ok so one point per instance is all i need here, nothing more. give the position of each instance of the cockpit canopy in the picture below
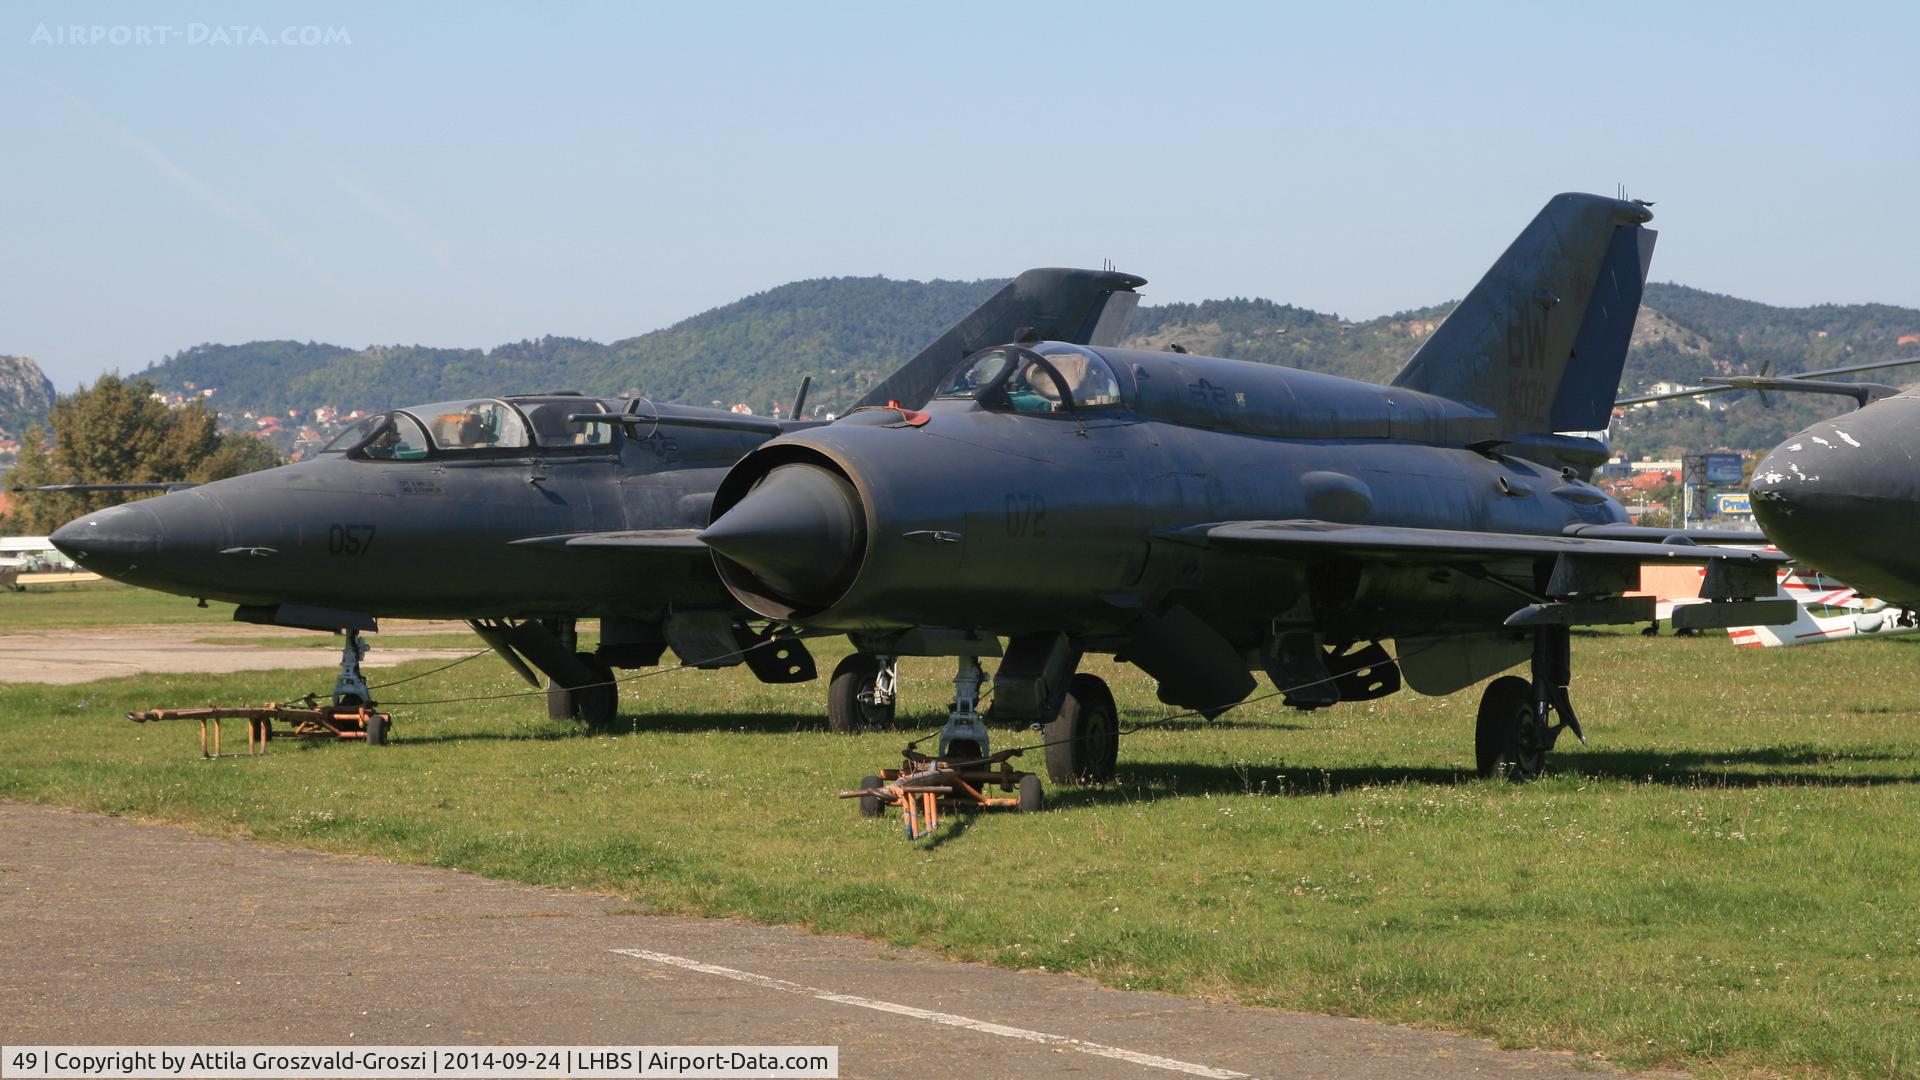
(548, 415)
(1053, 377)
(472, 425)
(480, 424)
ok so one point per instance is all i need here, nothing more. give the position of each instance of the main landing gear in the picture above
(1515, 728)
(1081, 745)
(1083, 739)
(861, 696)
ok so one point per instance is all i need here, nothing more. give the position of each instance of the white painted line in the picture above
(1152, 1061)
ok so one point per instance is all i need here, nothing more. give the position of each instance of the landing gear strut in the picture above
(861, 696)
(1515, 727)
(966, 732)
(349, 688)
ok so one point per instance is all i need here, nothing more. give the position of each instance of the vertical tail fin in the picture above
(1087, 307)
(1541, 340)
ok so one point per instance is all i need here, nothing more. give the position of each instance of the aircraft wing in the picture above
(1306, 538)
(635, 541)
(78, 489)
(1654, 534)
(1589, 580)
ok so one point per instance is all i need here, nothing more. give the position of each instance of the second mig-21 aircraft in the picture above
(523, 515)
(1205, 518)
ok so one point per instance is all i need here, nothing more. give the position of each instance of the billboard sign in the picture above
(1722, 470)
(1733, 502)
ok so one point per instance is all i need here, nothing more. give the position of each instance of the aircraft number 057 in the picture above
(349, 539)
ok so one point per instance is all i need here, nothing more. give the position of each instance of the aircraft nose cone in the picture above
(800, 531)
(110, 541)
(1841, 496)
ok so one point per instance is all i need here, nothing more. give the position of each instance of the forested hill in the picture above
(847, 331)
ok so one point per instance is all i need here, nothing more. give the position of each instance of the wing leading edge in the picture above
(1587, 584)
(1404, 544)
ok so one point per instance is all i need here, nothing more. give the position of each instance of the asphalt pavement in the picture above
(121, 932)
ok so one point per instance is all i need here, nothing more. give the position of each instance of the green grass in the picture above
(101, 603)
(1727, 881)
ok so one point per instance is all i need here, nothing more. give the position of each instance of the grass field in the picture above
(102, 603)
(1727, 880)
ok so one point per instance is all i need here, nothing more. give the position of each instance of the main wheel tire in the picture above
(1499, 746)
(1083, 739)
(870, 806)
(846, 713)
(376, 730)
(597, 704)
(1032, 796)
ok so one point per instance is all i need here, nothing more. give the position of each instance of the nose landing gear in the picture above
(1081, 745)
(349, 687)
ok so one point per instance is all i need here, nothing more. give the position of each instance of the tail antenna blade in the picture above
(800, 399)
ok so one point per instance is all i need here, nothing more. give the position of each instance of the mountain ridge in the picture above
(847, 331)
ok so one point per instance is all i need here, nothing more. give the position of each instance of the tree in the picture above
(116, 432)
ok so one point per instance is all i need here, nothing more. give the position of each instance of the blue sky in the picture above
(471, 174)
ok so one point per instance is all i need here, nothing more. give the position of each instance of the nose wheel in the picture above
(1082, 744)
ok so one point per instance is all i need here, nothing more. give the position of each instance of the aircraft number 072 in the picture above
(1026, 515)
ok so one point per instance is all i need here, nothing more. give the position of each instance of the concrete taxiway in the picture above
(129, 933)
(71, 656)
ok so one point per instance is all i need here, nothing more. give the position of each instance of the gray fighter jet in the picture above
(1205, 518)
(524, 515)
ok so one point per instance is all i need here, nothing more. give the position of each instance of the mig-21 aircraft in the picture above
(1204, 518)
(523, 515)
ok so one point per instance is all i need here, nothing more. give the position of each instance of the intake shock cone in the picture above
(799, 532)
